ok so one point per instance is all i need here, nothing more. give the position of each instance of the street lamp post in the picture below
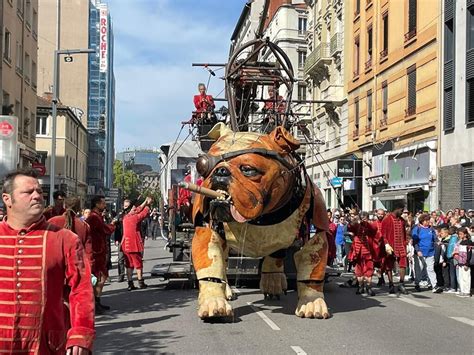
(54, 109)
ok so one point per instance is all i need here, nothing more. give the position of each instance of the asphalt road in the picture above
(163, 319)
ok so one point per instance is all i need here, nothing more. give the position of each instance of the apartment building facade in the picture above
(392, 80)
(456, 169)
(71, 149)
(19, 71)
(324, 72)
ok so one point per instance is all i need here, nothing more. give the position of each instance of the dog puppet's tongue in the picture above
(236, 215)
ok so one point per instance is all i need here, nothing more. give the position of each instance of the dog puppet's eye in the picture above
(248, 170)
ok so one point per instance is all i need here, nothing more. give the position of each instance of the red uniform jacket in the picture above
(362, 244)
(53, 212)
(184, 195)
(82, 230)
(35, 263)
(331, 236)
(378, 243)
(132, 240)
(280, 104)
(394, 233)
(204, 103)
(100, 233)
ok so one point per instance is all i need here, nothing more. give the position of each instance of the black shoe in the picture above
(360, 290)
(391, 289)
(380, 282)
(402, 289)
(369, 291)
(99, 305)
(131, 286)
(417, 288)
(142, 284)
(121, 278)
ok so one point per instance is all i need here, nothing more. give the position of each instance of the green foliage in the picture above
(126, 180)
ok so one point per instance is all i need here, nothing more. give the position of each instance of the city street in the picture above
(163, 319)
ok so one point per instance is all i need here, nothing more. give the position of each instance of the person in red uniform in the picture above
(378, 246)
(274, 107)
(69, 220)
(58, 208)
(132, 242)
(36, 260)
(331, 236)
(203, 103)
(362, 252)
(100, 233)
(394, 236)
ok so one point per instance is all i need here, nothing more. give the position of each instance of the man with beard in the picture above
(37, 260)
(100, 233)
(394, 235)
(362, 253)
(378, 247)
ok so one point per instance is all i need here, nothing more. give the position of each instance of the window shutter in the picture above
(384, 96)
(448, 109)
(468, 182)
(411, 15)
(369, 105)
(470, 101)
(411, 88)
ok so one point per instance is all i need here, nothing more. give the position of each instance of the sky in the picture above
(156, 41)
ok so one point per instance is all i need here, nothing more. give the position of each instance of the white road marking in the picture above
(298, 350)
(262, 315)
(464, 320)
(410, 301)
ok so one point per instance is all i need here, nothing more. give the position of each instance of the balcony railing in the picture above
(410, 35)
(355, 133)
(383, 122)
(368, 63)
(320, 53)
(368, 128)
(383, 54)
(336, 44)
(410, 111)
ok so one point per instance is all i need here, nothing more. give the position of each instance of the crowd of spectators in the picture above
(439, 247)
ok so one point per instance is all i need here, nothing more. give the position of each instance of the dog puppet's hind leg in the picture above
(208, 261)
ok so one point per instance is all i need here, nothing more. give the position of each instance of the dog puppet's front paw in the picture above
(311, 303)
(212, 300)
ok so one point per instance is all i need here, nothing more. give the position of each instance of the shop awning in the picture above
(395, 194)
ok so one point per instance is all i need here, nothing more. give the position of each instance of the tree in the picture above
(126, 180)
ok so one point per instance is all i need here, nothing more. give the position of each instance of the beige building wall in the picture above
(74, 24)
(71, 150)
(19, 70)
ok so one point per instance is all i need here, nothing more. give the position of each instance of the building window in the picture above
(42, 125)
(470, 101)
(448, 41)
(35, 23)
(302, 22)
(26, 122)
(19, 56)
(27, 67)
(384, 120)
(411, 20)
(19, 7)
(470, 28)
(369, 111)
(32, 127)
(411, 91)
(7, 46)
(301, 92)
(356, 116)
(33, 74)
(301, 59)
(356, 55)
(357, 8)
(448, 123)
(28, 13)
(368, 63)
(384, 51)
(467, 185)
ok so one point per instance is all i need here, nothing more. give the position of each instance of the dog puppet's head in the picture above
(256, 171)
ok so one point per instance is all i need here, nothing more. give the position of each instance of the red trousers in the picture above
(133, 260)
(364, 267)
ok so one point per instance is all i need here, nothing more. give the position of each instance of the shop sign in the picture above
(376, 180)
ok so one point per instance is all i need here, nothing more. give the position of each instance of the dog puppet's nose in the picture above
(222, 172)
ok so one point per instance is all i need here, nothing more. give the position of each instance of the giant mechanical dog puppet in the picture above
(267, 201)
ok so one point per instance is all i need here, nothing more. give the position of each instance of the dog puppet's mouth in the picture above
(223, 210)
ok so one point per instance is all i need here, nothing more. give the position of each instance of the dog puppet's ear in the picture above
(284, 139)
(219, 130)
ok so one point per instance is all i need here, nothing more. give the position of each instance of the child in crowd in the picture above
(462, 254)
(453, 239)
(411, 259)
(441, 262)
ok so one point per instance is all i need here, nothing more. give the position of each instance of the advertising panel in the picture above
(103, 45)
(8, 144)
